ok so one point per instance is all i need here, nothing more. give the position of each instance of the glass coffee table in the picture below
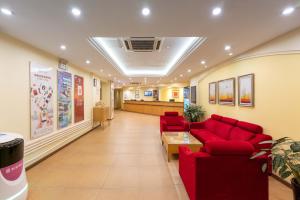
(172, 140)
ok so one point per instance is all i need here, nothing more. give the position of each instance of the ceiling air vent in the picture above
(142, 44)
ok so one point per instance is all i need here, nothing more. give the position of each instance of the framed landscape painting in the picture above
(246, 90)
(226, 90)
(212, 95)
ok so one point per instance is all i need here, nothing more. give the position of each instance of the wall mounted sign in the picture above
(64, 98)
(226, 90)
(41, 97)
(175, 93)
(246, 90)
(78, 98)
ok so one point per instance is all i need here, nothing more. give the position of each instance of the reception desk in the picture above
(152, 107)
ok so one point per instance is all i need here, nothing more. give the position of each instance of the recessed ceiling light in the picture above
(76, 12)
(288, 11)
(181, 75)
(6, 11)
(203, 62)
(119, 81)
(217, 11)
(109, 75)
(87, 61)
(63, 47)
(230, 54)
(146, 11)
(189, 70)
(227, 47)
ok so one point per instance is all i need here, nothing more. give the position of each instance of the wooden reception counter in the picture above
(153, 107)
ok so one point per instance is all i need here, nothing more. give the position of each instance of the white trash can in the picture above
(13, 182)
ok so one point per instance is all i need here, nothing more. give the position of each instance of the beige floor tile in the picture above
(124, 160)
(122, 177)
(118, 194)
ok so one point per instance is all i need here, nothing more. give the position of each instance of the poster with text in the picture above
(64, 98)
(41, 97)
(78, 98)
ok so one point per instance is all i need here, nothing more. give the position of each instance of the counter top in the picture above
(155, 103)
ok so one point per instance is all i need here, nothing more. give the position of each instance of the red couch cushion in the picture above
(239, 148)
(223, 130)
(211, 124)
(216, 117)
(171, 114)
(250, 127)
(229, 120)
(205, 136)
(173, 121)
(240, 134)
(175, 128)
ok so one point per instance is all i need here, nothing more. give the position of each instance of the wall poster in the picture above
(227, 91)
(212, 99)
(41, 97)
(78, 98)
(64, 99)
(246, 90)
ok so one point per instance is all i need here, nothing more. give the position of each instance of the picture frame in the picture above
(246, 90)
(175, 93)
(226, 92)
(212, 93)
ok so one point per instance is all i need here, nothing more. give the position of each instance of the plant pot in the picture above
(296, 189)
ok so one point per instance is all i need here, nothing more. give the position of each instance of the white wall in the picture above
(15, 57)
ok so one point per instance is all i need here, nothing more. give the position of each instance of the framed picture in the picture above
(226, 90)
(212, 99)
(246, 90)
(175, 93)
(193, 95)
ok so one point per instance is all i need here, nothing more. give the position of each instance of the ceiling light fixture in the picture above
(87, 61)
(6, 11)
(216, 11)
(146, 11)
(189, 70)
(63, 47)
(287, 11)
(109, 75)
(230, 54)
(203, 62)
(181, 75)
(76, 12)
(227, 47)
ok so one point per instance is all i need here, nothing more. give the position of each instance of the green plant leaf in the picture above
(295, 147)
(283, 169)
(286, 174)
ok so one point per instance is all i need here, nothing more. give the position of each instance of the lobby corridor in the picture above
(124, 160)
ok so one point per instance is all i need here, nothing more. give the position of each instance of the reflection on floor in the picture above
(123, 161)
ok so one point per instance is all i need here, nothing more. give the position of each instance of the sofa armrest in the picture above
(197, 125)
(259, 138)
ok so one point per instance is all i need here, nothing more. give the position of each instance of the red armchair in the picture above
(172, 122)
(223, 171)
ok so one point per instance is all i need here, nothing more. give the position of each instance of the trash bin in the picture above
(13, 182)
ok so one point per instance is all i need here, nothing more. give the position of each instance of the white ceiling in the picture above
(162, 62)
(243, 24)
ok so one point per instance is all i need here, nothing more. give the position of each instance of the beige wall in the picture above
(277, 86)
(15, 57)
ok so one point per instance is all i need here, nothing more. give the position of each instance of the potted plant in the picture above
(285, 160)
(194, 113)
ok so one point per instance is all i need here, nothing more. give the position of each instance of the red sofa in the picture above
(172, 122)
(223, 172)
(218, 128)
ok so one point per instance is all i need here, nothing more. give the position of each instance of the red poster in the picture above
(78, 98)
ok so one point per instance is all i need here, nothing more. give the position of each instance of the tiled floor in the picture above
(123, 161)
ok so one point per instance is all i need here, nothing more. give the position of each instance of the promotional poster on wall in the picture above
(41, 96)
(64, 99)
(78, 98)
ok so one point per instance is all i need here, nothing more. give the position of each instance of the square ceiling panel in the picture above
(146, 56)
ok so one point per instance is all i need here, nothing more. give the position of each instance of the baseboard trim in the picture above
(281, 180)
(40, 148)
